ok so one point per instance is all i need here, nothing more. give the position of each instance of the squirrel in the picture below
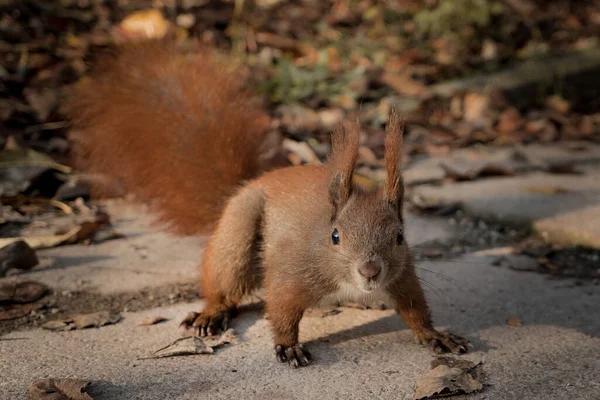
(182, 130)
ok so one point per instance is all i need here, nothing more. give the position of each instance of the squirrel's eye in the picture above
(335, 237)
(400, 237)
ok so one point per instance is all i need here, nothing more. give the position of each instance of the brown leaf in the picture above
(330, 118)
(302, 150)
(444, 381)
(548, 190)
(510, 121)
(59, 389)
(83, 232)
(83, 321)
(514, 321)
(152, 321)
(17, 255)
(476, 109)
(470, 172)
(434, 206)
(15, 311)
(403, 83)
(558, 104)
(22, 292)
(194, 345)
(144, 24)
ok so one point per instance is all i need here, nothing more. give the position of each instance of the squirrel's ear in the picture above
(344, 144)
(393, 191)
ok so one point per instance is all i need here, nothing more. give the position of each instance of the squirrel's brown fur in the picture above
(178, 129)
(182, 131)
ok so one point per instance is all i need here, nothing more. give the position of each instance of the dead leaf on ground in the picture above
(433, 206)
(449, 377)
(302, 150)
(558, 104)
(22, 292)
(548, 190)
(459, 172)
(510, 121)
(144, 24)
(17, 255)
(83, 321)
(403, 83)
(153, 321)
(514, 321)
(81, 233)
(59, 389)
(476, 109)
(14, 311)
(191, 345)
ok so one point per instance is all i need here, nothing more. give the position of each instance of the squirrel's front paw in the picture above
(295, 355)
(443, 342)
(207, 323)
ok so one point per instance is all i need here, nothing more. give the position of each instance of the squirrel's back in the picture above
(178, 129)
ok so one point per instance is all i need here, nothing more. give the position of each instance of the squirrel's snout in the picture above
(369, 270)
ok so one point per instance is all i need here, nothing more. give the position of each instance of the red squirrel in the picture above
(181, 130)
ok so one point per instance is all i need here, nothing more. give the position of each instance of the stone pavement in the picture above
(563, 208)
(360, 354)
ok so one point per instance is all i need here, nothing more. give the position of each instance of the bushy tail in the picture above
(178, 129)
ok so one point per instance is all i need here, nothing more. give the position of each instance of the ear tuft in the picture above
(394, 185)
(344, 143)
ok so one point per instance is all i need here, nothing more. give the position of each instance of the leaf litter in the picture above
(83, 321)
(449, 377)
(191, 345)
(21, 298)
(59, 389)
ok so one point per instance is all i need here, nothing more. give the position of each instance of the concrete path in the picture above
(359, 354)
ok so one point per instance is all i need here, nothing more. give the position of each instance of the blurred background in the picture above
(462, 72)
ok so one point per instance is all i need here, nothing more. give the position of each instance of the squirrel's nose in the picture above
(369, 270)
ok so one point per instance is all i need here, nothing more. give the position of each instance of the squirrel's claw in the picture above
(443, 342)
(296, 355)
(207, 323)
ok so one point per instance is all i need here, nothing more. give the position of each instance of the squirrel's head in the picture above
(367, 232)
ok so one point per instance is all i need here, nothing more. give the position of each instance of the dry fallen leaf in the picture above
(59, 389)
(514, 321)
(476, 109)
(558, 104)
(147, 24)
(470, 172)
(83, 321)
(83, 232)
(449, 378)
(403, 83)
(191, 345)
(510, 121)
(17, 255)
(22, 292)
(152, 321)
(302, 150)
(433, 206)
(15, 311)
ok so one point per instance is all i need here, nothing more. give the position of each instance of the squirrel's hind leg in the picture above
(231, 266)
